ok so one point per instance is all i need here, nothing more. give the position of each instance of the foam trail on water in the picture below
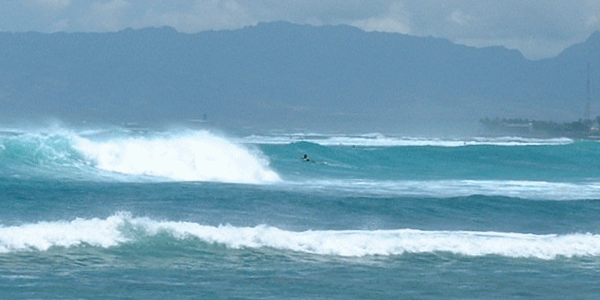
(123, 228)
(192, 156)
(525, 189)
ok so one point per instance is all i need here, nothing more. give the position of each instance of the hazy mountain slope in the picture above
(284, 76)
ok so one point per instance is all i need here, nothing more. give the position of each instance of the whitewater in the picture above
(121, 228)
(113, 213)
(182, 156)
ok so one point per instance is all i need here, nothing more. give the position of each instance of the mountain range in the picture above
(288, 77)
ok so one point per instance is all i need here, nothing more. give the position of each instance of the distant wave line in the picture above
(379, 140)
(525, 189)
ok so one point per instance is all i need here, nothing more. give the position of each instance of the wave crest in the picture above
(123, 228)
(197, 156)
(179, 156)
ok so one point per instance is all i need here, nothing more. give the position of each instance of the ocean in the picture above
(118, 213)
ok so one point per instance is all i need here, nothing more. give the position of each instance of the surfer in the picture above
(306, 158)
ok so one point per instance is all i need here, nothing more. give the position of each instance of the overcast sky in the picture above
(538, 28)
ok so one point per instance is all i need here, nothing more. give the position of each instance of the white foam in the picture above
(380, 140)
(43, 235)
(525, 189)
(186, 156)
(113, 231)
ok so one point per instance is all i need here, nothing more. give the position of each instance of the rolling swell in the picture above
(41, 155)
(564, 162)
(529, 170)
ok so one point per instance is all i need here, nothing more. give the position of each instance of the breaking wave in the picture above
(122, 228)
(178, 156)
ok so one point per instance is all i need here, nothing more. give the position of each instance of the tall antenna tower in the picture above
(588, 91)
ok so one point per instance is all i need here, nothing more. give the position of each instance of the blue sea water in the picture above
(112, 213)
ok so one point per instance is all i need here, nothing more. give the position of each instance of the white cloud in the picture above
(459, 17)
(60, 25)
(219, 14)
(383, 25)
(396, 19)
(536, 27)
(47, 4)
(106, 16)
(200, 15)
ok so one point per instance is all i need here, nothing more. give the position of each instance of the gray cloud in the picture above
(538, 28)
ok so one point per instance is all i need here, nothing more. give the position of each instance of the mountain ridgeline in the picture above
(286, 76)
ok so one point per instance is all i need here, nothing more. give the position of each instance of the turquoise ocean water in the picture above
(190, 214)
